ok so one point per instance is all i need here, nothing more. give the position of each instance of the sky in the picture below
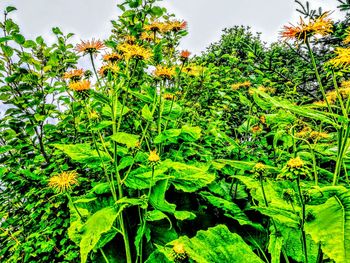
(206, 18)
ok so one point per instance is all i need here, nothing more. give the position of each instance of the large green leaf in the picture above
(189, 178)
(230, 209)
(99, 223)
(331, 226)
(130, 140)
(216, 245)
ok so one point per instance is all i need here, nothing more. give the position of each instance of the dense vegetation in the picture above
(151, 155)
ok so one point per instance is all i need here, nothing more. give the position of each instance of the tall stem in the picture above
(303, 235)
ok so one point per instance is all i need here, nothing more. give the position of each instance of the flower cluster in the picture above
(64, 181)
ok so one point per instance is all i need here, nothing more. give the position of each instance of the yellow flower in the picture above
(90, 47)
(295, 163)
(129, 39)
(331, 96)
(256, 129)
(147, 36)
(347, 38)
(259, 167)
(315, 135)
(179, 248)
(74, 75)
(267, 89)
(134, 51)
(155, 26)
(239, 85)
(164, 72)
(320, 26)
(193, 70)
(80, 85)
(304, 132)
(110, 67)
(175, 26)
(342, 58)
(168, 96)
(153, 157)
(112, 57)
(64, 181)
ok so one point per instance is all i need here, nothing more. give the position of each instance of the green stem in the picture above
(94, 68)
(303, 235)
(104, 255)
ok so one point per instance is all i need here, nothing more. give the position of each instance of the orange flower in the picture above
(320, 26)
(80, 86)
(184, 55)
(74, 75)
(90, 47)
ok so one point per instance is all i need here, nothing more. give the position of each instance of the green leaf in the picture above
(141, 178)
(8, 51)
(155, 215)
(81, 152)
(130, 140)
(216, 245)
(146, 113)
(275, 247)
(184, 215)
(157, 198)
(331, 226)
(99, 223)
(231, 210)
(9, 9)
(189, 178)
(103, 124)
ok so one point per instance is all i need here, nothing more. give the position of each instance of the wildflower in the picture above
(179, 252)
(342, 58)
(164, 72)
(239, 85)
(315, 135)
(320, 103)
(112, 57)
(259, 169)
(82, 85)
(153, 157)
(147, 36)
(184, 55)
(134, 51)
(331, 96)
(74, 75)
(168, 96)
(256, 129)
(263, 119)
(267, 89)
(295, 163)
(320, 26)
(110, 67)
(90, 47)
(155, 26)
(193, 70)
(64, 181)
(175, 26)
(129, 39)
(93, 115)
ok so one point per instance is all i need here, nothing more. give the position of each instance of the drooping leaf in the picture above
(130, 140)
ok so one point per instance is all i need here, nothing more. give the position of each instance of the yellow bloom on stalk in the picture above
(155, 26)
(304, 132)
(193, 70)
(175, 26)
(320, 26)
(112, 57)
(168, 96)
(147, 36)
(80, 85)
(239, 85)
(331, 96)
(315, 135)
(153, 157)
(90, 47)
(267, 89)
(64, 181)
(164, 72)
(179, 248)
(134, 51)
(259, 167)
(295, 163)
(342, 58)
(74, 75)
(110, 67)
(256, 129)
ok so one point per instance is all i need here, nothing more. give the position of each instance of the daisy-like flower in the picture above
(295, 163)
(239, 85)
(90, 47)
(147, 36)
(164, 72)
(78, 86)
(320, 26)
(153, 157)
(342, 58)
(64, 181)
(129, 39)
(134, 51)
(193, 70)
(259, 167)
(175, 26)
(184, 55)
(256, 129)
(110, 67)
(112, 57)
(74, 75)
(155, 26)
(315, 135)
(168, 96)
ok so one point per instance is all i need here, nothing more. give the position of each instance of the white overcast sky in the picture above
(206, 18)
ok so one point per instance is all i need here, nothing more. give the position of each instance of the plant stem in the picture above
(303, 235)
